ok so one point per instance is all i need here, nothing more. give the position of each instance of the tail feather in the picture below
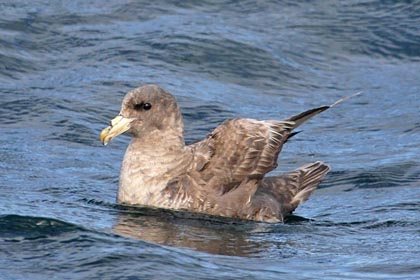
(308, 178)
(282, 194)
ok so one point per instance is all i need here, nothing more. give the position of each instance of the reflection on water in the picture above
(198, 232)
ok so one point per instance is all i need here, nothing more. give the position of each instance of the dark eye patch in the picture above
(138, 106)
(142, 106)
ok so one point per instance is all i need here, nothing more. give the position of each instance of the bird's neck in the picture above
(149, 164)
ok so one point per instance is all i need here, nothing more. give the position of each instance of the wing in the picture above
(239, 149)
(228, 165)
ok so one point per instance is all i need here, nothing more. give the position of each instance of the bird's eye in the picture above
(147, 106)
(142, 106)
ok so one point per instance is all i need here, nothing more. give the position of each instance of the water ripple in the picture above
(18, 228)
(66, 66)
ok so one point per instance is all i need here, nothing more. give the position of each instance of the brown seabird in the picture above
(223, 175)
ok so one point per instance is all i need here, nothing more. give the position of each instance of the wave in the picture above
(16, 227)
(403, 174)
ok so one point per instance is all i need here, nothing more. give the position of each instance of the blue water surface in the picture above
(65, 66)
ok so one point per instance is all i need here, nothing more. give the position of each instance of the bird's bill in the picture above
(118, 126)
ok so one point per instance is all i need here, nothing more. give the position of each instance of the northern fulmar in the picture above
(222, 175)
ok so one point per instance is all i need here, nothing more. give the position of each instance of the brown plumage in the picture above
(224, 174)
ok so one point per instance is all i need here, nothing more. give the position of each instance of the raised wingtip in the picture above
(344, 99)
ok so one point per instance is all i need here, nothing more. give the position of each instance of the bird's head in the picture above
(144, 110)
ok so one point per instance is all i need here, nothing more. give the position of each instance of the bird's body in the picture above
(224, 174)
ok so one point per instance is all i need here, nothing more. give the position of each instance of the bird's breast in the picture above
(144, 174)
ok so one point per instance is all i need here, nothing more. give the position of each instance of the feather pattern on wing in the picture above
(239, 149)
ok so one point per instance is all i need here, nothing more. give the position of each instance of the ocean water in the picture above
(65, 66)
